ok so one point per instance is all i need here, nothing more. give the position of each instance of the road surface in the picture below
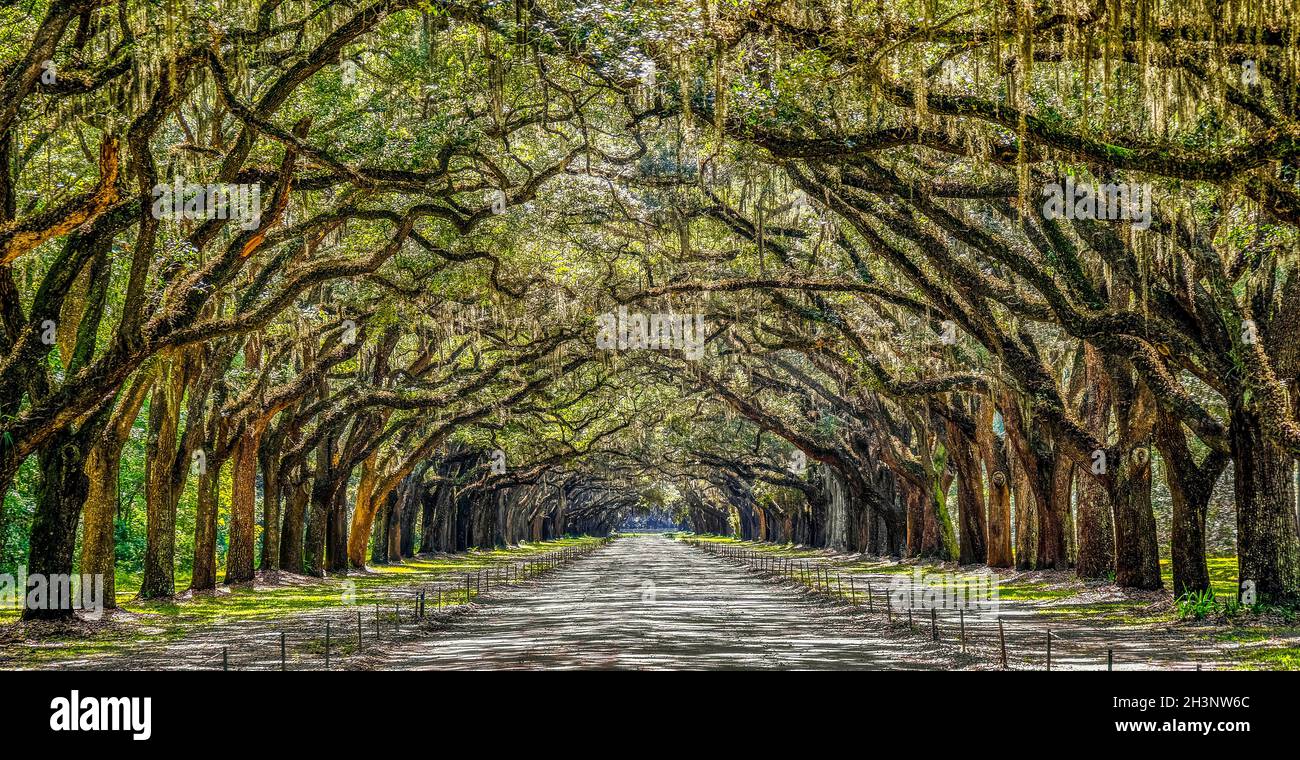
(649, 602)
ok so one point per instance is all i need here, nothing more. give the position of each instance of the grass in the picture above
(1251, 641)
(1019, 590)
(1223, 575)
(1271, 658)
(170, 620)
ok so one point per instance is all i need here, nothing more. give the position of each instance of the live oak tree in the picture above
(906, 353)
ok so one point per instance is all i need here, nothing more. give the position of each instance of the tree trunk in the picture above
(1268, 546)
(1096, 531)
(970, 497)
(103, 472)
(272, 498)
(295, 514)
(161, 454)
(337, 543)
(318, 514)
(1026, 520)
(59, 497)
(1190, 489)
(205, 529)
(1137, 555)
(363, 514)
(1095, 527)
(243, 507)
(999, 479)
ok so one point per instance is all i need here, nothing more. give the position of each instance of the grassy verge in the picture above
(1268, 639)
(162, 621)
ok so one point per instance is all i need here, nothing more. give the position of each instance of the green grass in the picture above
(1119, 612)
(1007, 589)
(1223, 575)
(172, 619)
(1271, 658)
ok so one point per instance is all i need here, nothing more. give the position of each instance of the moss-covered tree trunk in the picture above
(998, 472)
(206, 511)
(1095, 531)
(970, 496)
(161, 497)
(243, 507)
(1268, 546)
(295, 520)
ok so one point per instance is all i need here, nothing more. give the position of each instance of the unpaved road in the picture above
(648, 602)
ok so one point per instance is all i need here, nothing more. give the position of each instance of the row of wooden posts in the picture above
(454, 595)
(819, 579)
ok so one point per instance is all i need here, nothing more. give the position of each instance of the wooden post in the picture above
(397, 617)
(961, 612)
(358, 630)
(466, 588)
(934, 624)
(1002, 636)
(1049, 648)
(909, 618)
(889, 608)
(871, 605)
(327, 645)
(225, 658)
(376, 621)
(282, 651)
(853, 591)
(1110, 660)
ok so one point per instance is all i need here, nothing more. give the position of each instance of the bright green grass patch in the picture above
(1271, 658)
(1106, 613)
(1223, 575)
(1033, 591)
(1245, 634)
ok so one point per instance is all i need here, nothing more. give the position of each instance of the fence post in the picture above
(871, 605)
(358, 630)
(961, 612)
(1110, 660)
(282, 651)
(934, 624)
(1049, 648)
(225, 658)
(327, 645)
(1002, 636)
(853, 591)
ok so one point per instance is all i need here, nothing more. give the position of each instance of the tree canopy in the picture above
(322, 282)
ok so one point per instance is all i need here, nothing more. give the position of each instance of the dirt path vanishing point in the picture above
(649, 602)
